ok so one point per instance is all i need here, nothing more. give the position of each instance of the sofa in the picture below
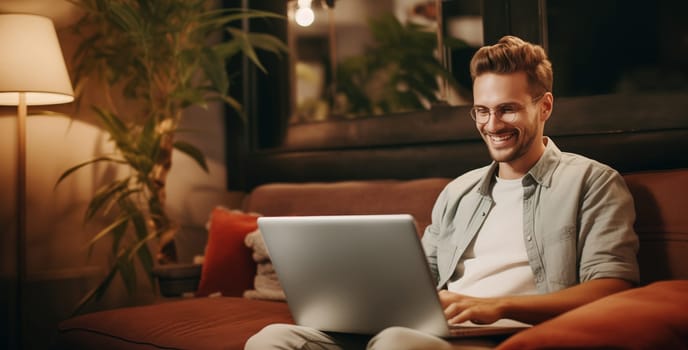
(229, 305)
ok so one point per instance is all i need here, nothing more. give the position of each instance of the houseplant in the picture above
(158, 57)
(399, 72)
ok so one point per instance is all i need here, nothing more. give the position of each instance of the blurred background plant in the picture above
(399, 72)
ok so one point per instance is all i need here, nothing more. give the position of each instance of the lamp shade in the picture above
(31, 62)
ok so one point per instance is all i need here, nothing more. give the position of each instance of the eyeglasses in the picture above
(506, 112)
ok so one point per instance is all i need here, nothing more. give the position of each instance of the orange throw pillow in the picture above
(644, 318)
(227, 266)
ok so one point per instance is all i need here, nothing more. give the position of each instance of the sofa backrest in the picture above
(661, 202)
(415, 197)
(661, 205)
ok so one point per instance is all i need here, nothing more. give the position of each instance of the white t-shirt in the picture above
(496, 263)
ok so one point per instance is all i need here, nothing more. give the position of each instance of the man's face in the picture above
(516, 137)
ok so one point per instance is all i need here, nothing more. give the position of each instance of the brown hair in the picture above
(511, 55)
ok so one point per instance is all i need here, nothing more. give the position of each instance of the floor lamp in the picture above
(32, 72)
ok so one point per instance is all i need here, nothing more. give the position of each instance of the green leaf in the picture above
(97, 292)
(126, 17)
(268, 43)
(227, 49)
(246, 47)
(142, 236)
(88, 162)
(127, 272)
(141, 249)
(137, 217)
(192, 97)
(148, 148)
(105, 194)
(121, 196)
(236, 105)
(117, 129)
(192, 152)
(221, 17)
(117, 235)
(119, 221)
(214, 69)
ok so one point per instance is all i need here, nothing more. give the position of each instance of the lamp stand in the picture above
(21, 216)
(33, 73)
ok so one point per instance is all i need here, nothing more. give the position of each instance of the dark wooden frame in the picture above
(628, 132)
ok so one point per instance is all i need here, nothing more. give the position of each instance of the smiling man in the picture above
(539, 231)
(536, 233)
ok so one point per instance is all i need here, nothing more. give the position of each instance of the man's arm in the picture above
(528, 308)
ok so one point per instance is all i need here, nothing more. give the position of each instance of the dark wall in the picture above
(627, 132)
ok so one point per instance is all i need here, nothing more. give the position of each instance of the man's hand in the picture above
(460, 308)
(526, 308)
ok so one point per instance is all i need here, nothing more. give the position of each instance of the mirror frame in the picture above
(441, 142)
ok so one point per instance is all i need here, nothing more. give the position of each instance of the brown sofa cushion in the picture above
(199, 323)
(415, 197)
(650, 317)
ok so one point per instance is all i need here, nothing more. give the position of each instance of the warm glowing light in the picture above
(304, 3)
(304, 16)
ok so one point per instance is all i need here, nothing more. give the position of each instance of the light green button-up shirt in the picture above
(578, 220)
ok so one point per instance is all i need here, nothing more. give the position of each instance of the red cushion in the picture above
(227, 266)
(650, 317)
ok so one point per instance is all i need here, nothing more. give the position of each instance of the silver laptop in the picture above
(359, 274)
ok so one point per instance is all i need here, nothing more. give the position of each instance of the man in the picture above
(536, 233)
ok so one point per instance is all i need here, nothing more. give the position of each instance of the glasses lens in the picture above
(480, 115)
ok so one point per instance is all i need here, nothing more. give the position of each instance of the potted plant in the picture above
(160, 57)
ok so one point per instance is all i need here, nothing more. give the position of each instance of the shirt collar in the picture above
(543, 170)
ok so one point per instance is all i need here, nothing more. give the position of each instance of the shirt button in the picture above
(529, 238)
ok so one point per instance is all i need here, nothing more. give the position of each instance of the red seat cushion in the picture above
(197, 323)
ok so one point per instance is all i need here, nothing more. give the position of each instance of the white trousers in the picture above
(286, 336)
